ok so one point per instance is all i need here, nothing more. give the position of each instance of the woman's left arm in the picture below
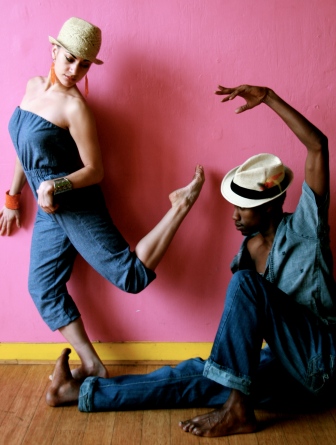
(82, 128)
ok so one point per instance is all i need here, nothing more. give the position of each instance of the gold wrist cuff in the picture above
(62, 185)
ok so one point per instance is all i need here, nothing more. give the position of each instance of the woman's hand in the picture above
(253, 95)
(46, 197)
(8, 217)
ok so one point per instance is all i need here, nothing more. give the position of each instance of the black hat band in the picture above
(263, 194)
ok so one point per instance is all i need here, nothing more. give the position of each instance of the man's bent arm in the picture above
(317, 161)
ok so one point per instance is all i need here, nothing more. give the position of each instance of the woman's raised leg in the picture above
(154, 245)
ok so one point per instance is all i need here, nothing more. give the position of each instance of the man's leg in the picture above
(178, 387)
(255, 309)
(252, 307)
(183, 386)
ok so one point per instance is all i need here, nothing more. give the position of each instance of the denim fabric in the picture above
(298, 363)
(182, 386)
(300, 262)
(256, 309)
(81, 224)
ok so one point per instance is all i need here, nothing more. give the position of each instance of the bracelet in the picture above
(62, 185)
(12, 202)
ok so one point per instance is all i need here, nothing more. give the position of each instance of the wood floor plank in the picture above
(44, 426)
(296, 428)
(215, 441)
(71, 426)
(45, 422)
(22, 408)
(11, 379)
(25, 419)
(270, 431)
(156, 427)
(67, 437)
(128, 427)
(333, 413)
(243, 439)
(323, 427)
(116, 370)
(99, 429)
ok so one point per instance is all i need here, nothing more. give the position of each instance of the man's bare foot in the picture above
(63, 388)
(187, 195)
(234, 417)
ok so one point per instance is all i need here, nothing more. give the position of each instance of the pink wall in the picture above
(157, 117)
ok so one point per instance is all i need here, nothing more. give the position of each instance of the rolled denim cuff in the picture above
(85, 399)
(226, 377)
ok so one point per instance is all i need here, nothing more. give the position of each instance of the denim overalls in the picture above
(81, 224)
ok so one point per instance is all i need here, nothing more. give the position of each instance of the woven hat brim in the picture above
(56, 42)
(240, 201)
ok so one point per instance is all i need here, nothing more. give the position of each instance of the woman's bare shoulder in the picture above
(36, 82)
(35, 86)
(78, 110)
(76, 104)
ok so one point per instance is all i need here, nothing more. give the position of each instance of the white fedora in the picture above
(260, 179)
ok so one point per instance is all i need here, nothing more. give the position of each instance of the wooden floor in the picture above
(26, 419)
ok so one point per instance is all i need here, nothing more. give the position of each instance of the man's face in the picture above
(249, 220)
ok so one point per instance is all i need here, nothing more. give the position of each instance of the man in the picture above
(282, 290)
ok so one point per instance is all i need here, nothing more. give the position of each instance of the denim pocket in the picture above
(320, 373)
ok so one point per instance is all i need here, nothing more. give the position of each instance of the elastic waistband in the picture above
(45, 173)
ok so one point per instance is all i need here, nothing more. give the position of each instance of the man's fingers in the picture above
(242, 108)
(224, 90)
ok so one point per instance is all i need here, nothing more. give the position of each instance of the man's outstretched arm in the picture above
(317, 160)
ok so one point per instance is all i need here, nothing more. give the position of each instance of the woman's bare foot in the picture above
(152, 247)
(235, 417)
(187, 195)
(64, 388)
(96, 370)
(91, 365)
(80, 373)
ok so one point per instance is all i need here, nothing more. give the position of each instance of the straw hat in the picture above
(260, 179)
(80, 38)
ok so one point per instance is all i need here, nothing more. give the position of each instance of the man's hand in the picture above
(253, 95)
(46, 197)
(8, 217)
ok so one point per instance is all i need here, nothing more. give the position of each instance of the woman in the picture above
(58, 153)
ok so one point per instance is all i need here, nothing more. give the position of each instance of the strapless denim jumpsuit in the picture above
(81, 224)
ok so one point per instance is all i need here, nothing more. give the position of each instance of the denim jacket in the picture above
(300, 262)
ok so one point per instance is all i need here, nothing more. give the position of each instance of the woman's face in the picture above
(69, 69)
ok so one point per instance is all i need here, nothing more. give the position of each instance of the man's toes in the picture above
(186, 425)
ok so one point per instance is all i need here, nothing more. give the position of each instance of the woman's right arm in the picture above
(8, 217)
